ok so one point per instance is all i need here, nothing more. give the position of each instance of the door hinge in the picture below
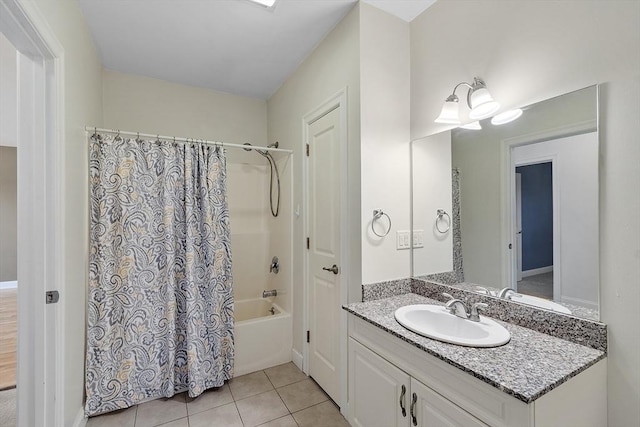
(308, 243)
(52, 297)
(307, 150)
(308, 336)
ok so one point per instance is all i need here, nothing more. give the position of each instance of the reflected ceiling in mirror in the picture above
(521, 203)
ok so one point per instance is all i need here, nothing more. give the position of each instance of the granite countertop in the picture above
(528, 366)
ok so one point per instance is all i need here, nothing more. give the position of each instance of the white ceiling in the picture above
(231, 46)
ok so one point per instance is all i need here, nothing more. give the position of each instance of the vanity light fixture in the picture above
(506, 117)
(479, 101)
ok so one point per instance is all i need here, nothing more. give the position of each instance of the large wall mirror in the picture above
(512, 210)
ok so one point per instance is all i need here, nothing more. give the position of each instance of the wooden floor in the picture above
(8, 337)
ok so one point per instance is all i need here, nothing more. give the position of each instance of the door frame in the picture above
(40, 361)
(338, 100)
(557, 232)
(507, 194)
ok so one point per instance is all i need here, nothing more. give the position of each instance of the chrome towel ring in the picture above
(441, 213)
(377, 214)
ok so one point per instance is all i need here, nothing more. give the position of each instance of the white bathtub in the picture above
(262, 339)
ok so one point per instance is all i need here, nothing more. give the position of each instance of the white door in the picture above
(518, 228)
(379, 392)
(324, 252)
(429, 409)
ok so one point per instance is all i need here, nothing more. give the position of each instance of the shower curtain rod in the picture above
(177, 139)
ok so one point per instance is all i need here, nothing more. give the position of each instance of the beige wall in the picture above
(432, 190)
(8, 93)
(83, 105)
(148, 105)
(8, 138)
(333, 66)
(529, 51)
(8, 215)
(384, 151)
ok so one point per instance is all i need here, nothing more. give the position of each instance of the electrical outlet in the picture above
(402, 240)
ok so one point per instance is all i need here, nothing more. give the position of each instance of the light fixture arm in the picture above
(453, 97)
(478, 83)
(479, 102)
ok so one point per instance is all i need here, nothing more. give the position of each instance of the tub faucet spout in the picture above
(271, 293)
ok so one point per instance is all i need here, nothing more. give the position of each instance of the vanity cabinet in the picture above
(383, 395)
(395, 384)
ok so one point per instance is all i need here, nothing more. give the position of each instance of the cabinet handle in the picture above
(414, 399)
(402, 406)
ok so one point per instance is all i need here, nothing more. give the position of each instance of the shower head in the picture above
(274, 145)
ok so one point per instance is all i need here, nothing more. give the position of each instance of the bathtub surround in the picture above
(585, 332)
(160, 311)
(262, 336)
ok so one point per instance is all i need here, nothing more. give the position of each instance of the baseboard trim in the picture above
(81, 420)
(296, 358)
(535, 271)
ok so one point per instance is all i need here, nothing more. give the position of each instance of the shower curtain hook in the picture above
(117, 135)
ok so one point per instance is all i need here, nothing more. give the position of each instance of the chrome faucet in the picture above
(459, 308)
(475, 316)
(268, 294)
(456, 306)
(484, 290)
(505, 293)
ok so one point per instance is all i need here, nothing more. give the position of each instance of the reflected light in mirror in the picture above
(506, 117)
(472, 126)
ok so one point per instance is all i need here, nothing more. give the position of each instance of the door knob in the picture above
(333, 269)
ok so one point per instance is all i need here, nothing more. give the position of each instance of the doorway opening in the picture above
(8, 231)
(534, 225)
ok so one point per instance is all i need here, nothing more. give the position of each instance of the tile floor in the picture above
(281, 396)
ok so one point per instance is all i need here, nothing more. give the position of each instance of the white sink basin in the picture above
(540, 302)
(434, 321)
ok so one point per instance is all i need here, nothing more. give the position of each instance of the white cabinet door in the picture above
(378, 391)
(429, 409)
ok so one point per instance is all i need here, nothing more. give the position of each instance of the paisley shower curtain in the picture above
(160, 303)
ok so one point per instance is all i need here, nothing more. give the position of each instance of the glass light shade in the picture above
(482, 104)
(506, 117)
(449, 113)
(472, 126)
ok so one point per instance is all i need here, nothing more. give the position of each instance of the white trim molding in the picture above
(41, 132)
